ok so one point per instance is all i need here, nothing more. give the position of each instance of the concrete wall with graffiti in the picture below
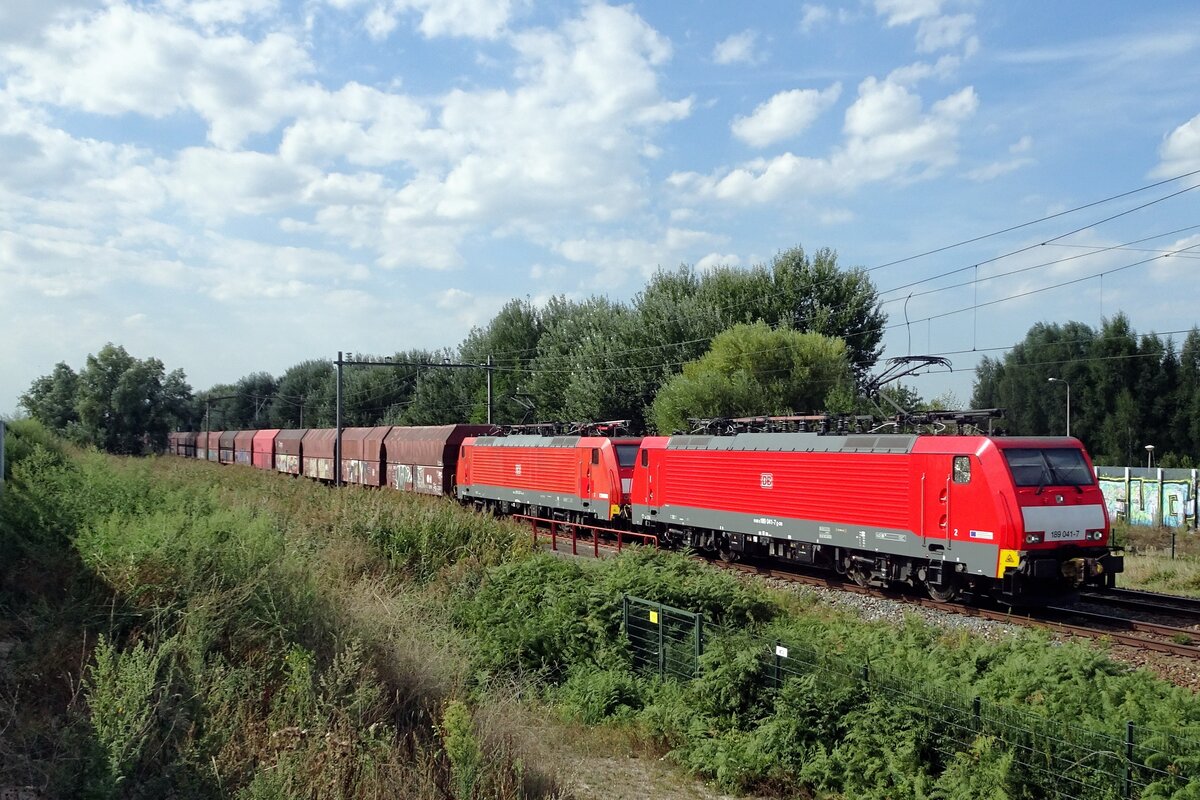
(1151, 496)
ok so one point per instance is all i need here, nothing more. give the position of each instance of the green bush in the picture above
(544, 614)
(598, 695)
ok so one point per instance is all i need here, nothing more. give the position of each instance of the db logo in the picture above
(766, 480)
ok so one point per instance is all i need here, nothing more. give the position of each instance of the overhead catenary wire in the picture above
(850, 334)
(1096, 250)
(1181, 252)
(500, 367)
(522, 365)
(1047, 242)
(1053, 240)
(1046, 218)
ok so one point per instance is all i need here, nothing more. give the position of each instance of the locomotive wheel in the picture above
(946, 594)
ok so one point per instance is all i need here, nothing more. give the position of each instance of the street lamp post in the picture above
(1060, 380)
(1149, 455)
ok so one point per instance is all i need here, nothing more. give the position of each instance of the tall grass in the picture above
(244, 634)
(1149, 564)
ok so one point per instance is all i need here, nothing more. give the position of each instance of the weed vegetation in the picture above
(823, 730)
(1149, 564)
(183, 629)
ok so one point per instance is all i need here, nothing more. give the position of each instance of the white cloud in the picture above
(245, 272)
(365, 126)
(543, 272)
(63, 262)
(835, 216)
(714, 260)
(1181, 267)
(881, 107)
(912, 74)
(1022, 145)
(1180, 150)
(567, 143)
(784, 115)
(888, 137)
(127, 61)
(1110, 49)
(941, 33)
(812, 16)
(997, 168)
(214, 184)
(475, 19)
(214, 12)
(616, 259)
(468, 309)
(739, 48)
(935, 31)
(1018, 149)
(23, 20)
(903, 12)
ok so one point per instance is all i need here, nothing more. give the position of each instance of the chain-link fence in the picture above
(1050, 758)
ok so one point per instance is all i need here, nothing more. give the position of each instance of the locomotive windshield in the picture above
(626, 454)
(1049, 467)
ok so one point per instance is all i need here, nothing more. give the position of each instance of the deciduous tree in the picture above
(754, 369)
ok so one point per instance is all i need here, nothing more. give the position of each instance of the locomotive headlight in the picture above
(1033, 538)
(1095, 536)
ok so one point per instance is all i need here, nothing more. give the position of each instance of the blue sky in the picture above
(238, 185)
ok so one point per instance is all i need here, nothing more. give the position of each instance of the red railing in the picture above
(573, 529)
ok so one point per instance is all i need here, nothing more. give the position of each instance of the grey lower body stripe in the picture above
(978, 558)
(564, 502)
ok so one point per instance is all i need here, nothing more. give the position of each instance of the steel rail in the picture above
(1136, 625)
(1028, 620)
(1145, 601)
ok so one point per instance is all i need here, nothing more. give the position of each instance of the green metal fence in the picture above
(662, 639)
(1051, 758)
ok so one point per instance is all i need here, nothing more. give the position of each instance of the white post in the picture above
(1068, 408)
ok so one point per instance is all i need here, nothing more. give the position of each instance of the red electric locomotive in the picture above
(578, 478)
(1019, 518)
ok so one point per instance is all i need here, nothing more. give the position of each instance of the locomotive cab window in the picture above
(626, 454)
(595, 455)
(645, 458)
(962, 469)
(1048, 467)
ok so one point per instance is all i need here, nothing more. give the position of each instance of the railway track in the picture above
(1066, 621)
(1062, 620)
(1151, 602)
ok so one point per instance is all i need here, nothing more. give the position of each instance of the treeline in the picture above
(795, 335)
(591, 359)
(1127, 390)
(116, 402)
